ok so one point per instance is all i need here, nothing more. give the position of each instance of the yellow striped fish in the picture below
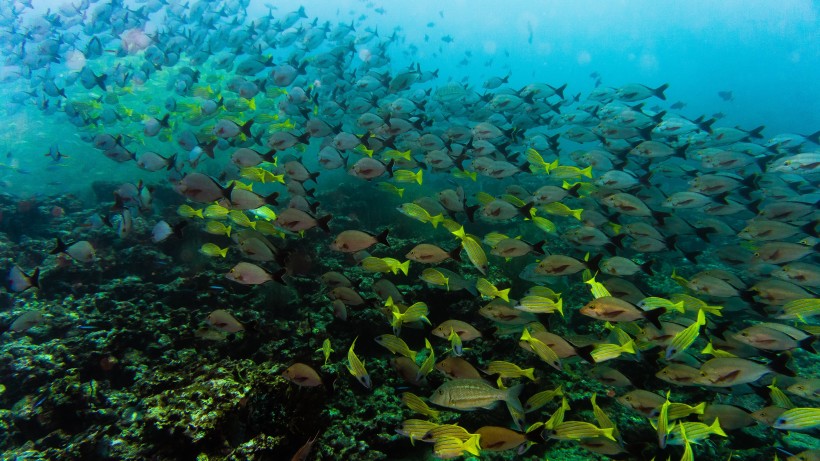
(356, 367)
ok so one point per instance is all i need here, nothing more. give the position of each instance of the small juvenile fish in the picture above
(326, 349)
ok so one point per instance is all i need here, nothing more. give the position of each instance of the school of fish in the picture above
(557, 234)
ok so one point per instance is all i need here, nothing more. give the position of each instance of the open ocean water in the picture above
(361, 230)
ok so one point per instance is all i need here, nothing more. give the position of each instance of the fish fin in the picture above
(779, 365)
(716, 429)
(659, 91)
(806, 344)
(593, 263)
(512, 397)
(271, 199)
(279, 275)
(382, 237)
(526, 210)
(246, 128)
(660, 216)
(585, 352)
(811, 228)
(470, 211)
(322, 222)
(757, 132)
(34, 278)
(455, 253)
(653, 315)
(647, 267)
(60, 246)
(503, 294)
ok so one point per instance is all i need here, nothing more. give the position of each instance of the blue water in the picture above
(767, 55)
